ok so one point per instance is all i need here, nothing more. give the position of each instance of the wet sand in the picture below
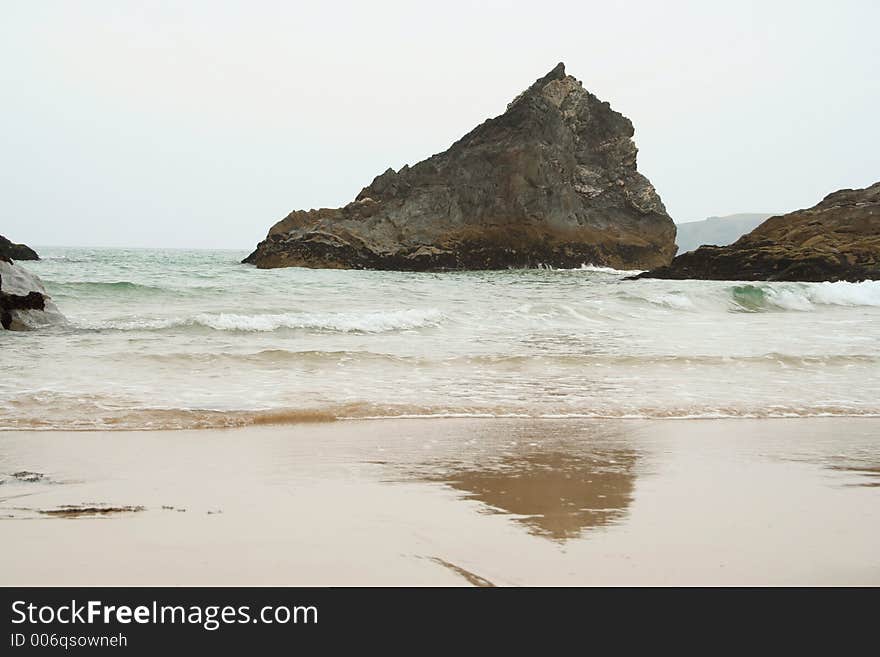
(447, 502)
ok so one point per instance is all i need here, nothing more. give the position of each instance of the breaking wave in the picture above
(695, 296)
(286, 356)
(609, 270)
(98, 287)
(805, 296)
(367, 322)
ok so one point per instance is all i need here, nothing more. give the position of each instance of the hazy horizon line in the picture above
(38, 246)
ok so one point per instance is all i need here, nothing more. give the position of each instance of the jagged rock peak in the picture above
(552, 181)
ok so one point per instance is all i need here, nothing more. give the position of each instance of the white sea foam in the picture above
(351, 322)
(806, 296)
(866, 293)
(368, 322)
(674, 300)
(609, 270)
(788, 298)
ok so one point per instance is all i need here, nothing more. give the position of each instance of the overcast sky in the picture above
(199, 124)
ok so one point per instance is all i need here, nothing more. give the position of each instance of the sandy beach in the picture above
(447, 502)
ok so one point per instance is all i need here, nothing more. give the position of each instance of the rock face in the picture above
(719, 231)
(552, 181)
(14, 251)
(836, 240)
(24, 303)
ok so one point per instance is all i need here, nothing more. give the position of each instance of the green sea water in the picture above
(181, 339)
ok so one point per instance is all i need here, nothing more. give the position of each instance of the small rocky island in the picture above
(836, 240)
(13, 251)
(552, 181)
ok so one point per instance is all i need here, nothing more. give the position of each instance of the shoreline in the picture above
(447, 502)
(308, 418)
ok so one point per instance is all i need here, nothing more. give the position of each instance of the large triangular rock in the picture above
(552, 181)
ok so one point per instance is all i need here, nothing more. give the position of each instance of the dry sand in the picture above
(447, 502)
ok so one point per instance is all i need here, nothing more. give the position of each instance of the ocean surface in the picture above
(160, 339)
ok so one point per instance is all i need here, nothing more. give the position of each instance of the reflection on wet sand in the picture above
(859, 466)
(555, 495)
(556, 486)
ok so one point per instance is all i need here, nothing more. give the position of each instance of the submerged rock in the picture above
(28, 476)
(552, 181)
(24, 303)
(14, 251)
(77, 511)
(836, 240)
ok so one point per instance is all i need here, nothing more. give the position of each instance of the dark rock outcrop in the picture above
(24, 303)
(14, 251)
(836, 240)
(552, 181)
(10, 302)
